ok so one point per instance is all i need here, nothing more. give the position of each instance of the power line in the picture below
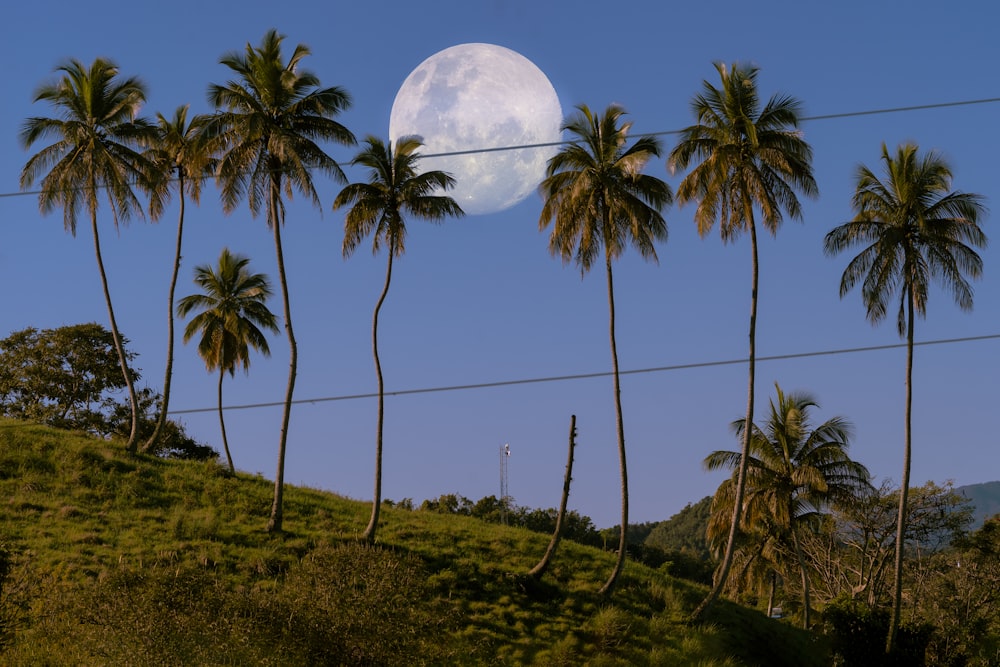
(549, 144)
(919, 107)
(869, 112)
(587, 376)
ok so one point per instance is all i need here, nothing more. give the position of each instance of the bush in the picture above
(858, 636)
(345, 605)
(362, 605)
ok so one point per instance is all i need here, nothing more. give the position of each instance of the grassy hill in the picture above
(115, 560)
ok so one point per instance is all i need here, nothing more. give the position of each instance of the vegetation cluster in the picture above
(69, 378)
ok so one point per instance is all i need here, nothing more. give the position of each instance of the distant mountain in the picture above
(684, 531)
(985, 499)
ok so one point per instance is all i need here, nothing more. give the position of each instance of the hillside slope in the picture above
(119, 560)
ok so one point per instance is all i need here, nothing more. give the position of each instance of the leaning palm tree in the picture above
(97, 134)
(913, 228)
(793, 472)
(600, 201)
(184, 158)
(233, 310)
(395, 188)
(539, 569)
(751, 159)
(267, 122)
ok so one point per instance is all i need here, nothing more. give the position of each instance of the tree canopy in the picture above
(66, 377)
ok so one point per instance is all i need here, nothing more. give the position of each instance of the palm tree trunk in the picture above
(770, 593)
(741, 477)
(369, 533)
(222, 424)
(904, 487)
(805, 578)
(275, 522)
(168, 374)
(543, 564)
(741, 577)
(130, 446)
(620, 562)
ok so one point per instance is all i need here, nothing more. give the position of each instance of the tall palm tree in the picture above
(751, 159)
(184, 157)
(97, 134)
(395, 188)
(233, 305)
(267, 122)
(793, 472)
(599, 199)
(913, 228)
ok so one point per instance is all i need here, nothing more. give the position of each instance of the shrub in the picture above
(858, 637)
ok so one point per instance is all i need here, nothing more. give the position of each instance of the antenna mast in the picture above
(504, 487)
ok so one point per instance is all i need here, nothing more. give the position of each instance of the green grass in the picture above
(120, 560)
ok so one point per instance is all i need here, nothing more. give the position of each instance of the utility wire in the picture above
(587, 376)
(549, 144)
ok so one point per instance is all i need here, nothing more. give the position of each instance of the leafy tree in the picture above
(97, 132)
(963, 600)
(600, 202)
(69, 378)
(751, 159)
(491, 509)
(65, 377)
(448, 503)
(395, 189)
(233, 310)
(182, 156)
(913, 228)
(267, 121)
(575, 526)
(793, 472)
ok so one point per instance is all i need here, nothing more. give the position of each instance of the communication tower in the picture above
(504, 487)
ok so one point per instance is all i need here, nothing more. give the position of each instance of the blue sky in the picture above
(480, 300)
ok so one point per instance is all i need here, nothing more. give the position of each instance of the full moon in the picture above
(480, 96)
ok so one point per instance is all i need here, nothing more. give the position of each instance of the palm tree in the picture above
(96, 134)
(599, 199)
(751, 159)
(913, 228)
(267, 122)
(395, 188)
(793, 472)
(182, 153)
(233, 305)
